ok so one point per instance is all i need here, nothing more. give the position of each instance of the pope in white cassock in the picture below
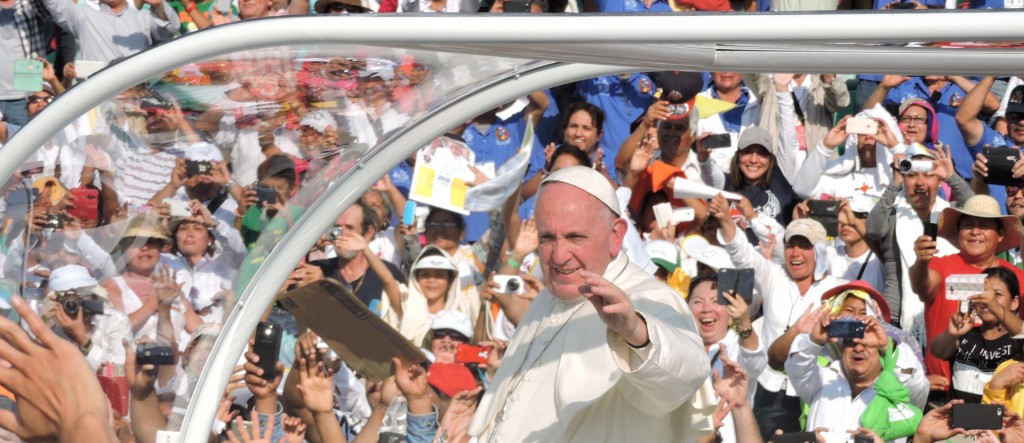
(606, 352)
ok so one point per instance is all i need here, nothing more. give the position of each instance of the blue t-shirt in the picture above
(987, 4)
(549, 129)
(733, 119)
(498, 145)
(632, 6)
(993, 139)
(949, 100)
(401, 176)
(622, 103)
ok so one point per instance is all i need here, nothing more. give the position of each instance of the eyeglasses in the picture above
(442, 225)
(33, 99)
(915, 120)
(454, 335)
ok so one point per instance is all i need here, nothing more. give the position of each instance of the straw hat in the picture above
(145, 226)
(981, 206)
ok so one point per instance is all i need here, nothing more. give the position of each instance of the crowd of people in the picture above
(766, 257)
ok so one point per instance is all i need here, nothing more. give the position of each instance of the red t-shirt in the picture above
(938, 312)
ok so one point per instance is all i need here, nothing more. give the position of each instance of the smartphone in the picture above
(509, 284)
(863, 439)
(858, 125)
(409, 213)
(54, 221)
(154, 355)
(903, 5)
(796, 437)
(738, 281)
(268, 347)
(931, 230)
(715, 141)
(1000, 163)
(964, 286)
(28, 75)
(977, 416)
(826, 212)
(472, 354)
(846, 327)
(194, 168)
(86, 68)
(518, 7)
(179, 208)
(265, 194)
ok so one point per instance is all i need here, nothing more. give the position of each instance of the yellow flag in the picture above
(707, 106)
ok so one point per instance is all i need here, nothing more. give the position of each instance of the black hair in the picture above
(369, 217)
(573, 151)
(437, 212)
(702, 277)
(596, 114)
(1008, 278)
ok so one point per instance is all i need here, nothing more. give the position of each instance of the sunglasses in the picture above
(36, 99)
(454, 335)
(1012, 190)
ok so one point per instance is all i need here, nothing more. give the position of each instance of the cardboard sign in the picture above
(359, 337)
(441, 173)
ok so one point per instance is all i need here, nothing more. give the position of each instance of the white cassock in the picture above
(567, 378)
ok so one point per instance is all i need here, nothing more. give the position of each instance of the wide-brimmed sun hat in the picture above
(980, 206)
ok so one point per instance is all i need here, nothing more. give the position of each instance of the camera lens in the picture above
(71, 307)
(512, 286)
(905, 165)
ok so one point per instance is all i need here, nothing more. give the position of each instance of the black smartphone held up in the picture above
(863, 439)
(265, 194)
(846, 327)
(715, 141)
(194, 168)
(518, 7)
(268, 347)
(796, 437)
(738, 281)
(825, 212)
(154, 355)
(931, 230)
(977, 416)
(1000, 163)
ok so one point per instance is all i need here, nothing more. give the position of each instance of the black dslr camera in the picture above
(71, 302)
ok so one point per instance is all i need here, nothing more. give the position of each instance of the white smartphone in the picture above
(682, 215)
(964, 286)
(857, 125)
(86, 68)
(179, 208)
(663, 214)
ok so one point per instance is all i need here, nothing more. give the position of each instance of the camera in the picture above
(264, 195)
(71, 302)
(846, 327)
(908, 166)
(155, 355)
(335, 233)
(194, 168)
(54, 221)
(510, 284)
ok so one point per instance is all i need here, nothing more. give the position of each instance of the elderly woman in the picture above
(147, 291)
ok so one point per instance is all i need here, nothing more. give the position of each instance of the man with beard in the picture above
(909, 202)
(210, 182)
(351, 267)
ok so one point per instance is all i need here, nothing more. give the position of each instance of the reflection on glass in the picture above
(144, 218)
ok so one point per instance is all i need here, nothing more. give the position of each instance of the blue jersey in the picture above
(632, 6)
(497, 145)
(993, 139)
(622, 103)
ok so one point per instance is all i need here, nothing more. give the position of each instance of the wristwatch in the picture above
(744, 333)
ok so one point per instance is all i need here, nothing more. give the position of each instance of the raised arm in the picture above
(967, 116)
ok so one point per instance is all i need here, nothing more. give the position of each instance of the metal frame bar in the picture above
(755, 42)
